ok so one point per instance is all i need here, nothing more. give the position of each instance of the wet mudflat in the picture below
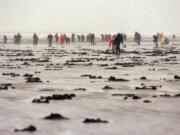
(82, 89)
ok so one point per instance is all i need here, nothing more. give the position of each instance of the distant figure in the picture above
(50, 38)
(79, 38)
(82, 38)
(102, 37)
(65, 38)
(56, 38)
(155, 40)
(111, 43)
(73, 38)
(173, 38)
(17, 38)
(88, 37)
(5, 39)
(92, 39)
(166, 41)
(162, 38)
(35, 39)
(68, 40)
(62, 38)
(118, 41)
(137, 38)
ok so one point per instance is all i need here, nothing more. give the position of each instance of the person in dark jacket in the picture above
(137, 38)
(73, 38)
(92, 39)
(82, 38)
(35, 39)
(118, 41)
(5, 39)
(57, 38)
(155, 40)
(50, 38)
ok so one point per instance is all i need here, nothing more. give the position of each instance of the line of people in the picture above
(16, 38)
(64, 39)
(158, 38)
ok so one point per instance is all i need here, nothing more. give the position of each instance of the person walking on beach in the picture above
(35, 39)
(50, 38)
(92, 39)
(102, 37)
(62, 38)
(17, 38)
(5, 39)
(73, 38)
(111, 43)
(137, 38)
(88, 37)
(166, 40)
(82, 38)
(56, 38)
(68, 40)
(118, 41)
(79, 38)
(162, 38)
(155, 40)
(173, 38)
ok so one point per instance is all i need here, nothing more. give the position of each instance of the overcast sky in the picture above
(146, 16)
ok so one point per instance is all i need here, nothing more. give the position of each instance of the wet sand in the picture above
(140, 98)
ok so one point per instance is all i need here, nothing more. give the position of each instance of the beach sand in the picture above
(60, 70)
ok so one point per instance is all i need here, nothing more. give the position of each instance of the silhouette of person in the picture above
(50, 38)
(155, 40)
(5, 39)
(82, 38)
(73, 38)
(92, 39)
(137, 38)
(79, 38)
(19, 38)
(35, 39)
(57, 38)
(117, 42)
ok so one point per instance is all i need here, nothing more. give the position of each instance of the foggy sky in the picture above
(146, 16)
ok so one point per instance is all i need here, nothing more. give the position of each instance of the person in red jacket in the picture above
(111, 43)
(62, 39)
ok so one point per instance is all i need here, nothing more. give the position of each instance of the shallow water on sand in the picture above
(160, 117)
